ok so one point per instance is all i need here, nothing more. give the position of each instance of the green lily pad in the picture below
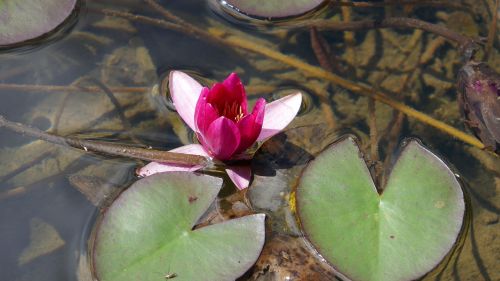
(22, 20)
(273, 9)
(399, 235)
(146, 234)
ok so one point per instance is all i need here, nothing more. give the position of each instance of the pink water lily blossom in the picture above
(223, 123)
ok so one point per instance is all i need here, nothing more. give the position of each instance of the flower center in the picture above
(233, 111)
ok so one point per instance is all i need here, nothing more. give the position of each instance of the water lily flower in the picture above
(223, 124)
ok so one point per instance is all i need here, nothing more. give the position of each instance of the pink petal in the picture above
(229, 94)
(185, 92)
(239, 175)
(233, 84)
(154, 167)
(222, 138)
(251, 125)
(204, 114)
(278, 114)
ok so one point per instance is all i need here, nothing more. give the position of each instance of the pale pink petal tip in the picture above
(154, 167)
(196, 149)
(240, 176)
(279, 114)
(185, 92)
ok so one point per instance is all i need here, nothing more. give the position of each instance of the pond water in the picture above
(104, 79)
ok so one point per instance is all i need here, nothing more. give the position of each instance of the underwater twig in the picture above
(372, 122)
(349, 40)
(463, 41)
(375, 167)
(224, 37)
(320, 50)
(477, 256)
(119, 110)
(62, 106)
(184, 28)
(385, 3)
(26, 166)
(492, 32)
(16, 191)
(107, 147)
(392, 132)
(59, 113)
(59, 88)
(166, 13)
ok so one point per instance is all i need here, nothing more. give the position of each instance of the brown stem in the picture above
(372, 122)
(399, 3)
(60, 88)
(179, 25)
(139, 18)
(492, 32)
(396, 22)
(320, 51)
(119, 110)
(166, 13)
(107, 147)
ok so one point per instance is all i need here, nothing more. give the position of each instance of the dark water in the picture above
(45, 220)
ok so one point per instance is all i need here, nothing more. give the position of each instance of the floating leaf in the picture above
(147, 233)
(273, 8)
(22, 20)
(398, 235)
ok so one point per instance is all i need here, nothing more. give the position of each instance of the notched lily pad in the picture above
(146, 234)
(272, 9)
(400, 234)
(22, 20)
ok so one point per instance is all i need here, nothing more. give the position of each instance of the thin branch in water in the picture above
(449, 4)
(119, 110)
(347, 17)
(107, 147)
(372, 122)
(59, 113)
(492, 32)
(166, 13)
(137, 18)
(463, 41)
(59, 88)
(21, 190)
(16, 191)
(392, 133)
(375, 167)
(320, 50)
(26, 166)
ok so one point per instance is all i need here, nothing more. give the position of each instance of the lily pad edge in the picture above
(51, 35)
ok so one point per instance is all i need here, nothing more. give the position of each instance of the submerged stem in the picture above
(432, 3)
(492, 30)
(395, 22)
(107, 147)
(71, 88)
